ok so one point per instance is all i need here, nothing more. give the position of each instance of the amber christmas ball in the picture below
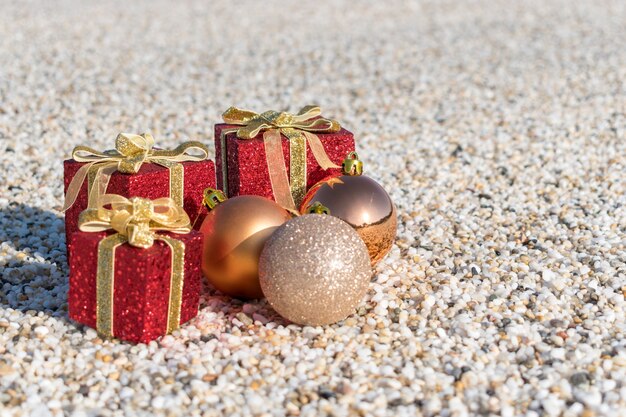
(235, 231)
(361, 202)
(314, 270)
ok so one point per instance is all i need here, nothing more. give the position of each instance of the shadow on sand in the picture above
(34, 269)
(33, 260)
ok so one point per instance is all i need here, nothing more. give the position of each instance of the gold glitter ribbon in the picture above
(300, 129)
(136, 221)
(130, 153)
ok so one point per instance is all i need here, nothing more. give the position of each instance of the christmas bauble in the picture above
(314, 270)
(361, 202)
(235, 231)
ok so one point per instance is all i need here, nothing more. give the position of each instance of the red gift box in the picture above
(141, 288)
(152, 181)
(135, 272)
(242, 164)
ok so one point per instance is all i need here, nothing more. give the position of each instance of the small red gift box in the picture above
(135, 293)
(248, 163)
(153, 178)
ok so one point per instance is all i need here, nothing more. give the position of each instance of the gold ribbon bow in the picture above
(299, 128)
(131, 151)
(136, 221)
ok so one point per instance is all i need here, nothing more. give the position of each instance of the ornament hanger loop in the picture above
(317, 208)
(212, 198)
(352, 165)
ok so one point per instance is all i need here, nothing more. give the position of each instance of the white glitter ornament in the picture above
(314, 270)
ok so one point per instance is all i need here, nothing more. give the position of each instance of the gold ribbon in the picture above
(136, 221)
(300, 129)
(131, 151)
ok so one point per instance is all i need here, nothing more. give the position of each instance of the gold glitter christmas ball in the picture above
(314, 270)
(235, 231)
(361, 202)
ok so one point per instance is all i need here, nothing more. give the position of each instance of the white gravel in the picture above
(498, 127)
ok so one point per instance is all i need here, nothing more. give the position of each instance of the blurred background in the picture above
(498, 128)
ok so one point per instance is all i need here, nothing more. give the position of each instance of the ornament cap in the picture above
(317, 208)
(212, 198)
(352, 165)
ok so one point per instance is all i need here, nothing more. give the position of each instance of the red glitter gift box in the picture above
(151, 180)
(141, 285)
(241, 151)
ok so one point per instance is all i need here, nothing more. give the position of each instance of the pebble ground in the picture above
(499, 129)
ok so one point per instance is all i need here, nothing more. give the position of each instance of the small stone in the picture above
(158, 402)
(6, 369)
(126, 393)
(326, 393)
(260, 318)
(580, 378)
(244, 318)
(41, 331)
(475, 270)
(209, 377)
